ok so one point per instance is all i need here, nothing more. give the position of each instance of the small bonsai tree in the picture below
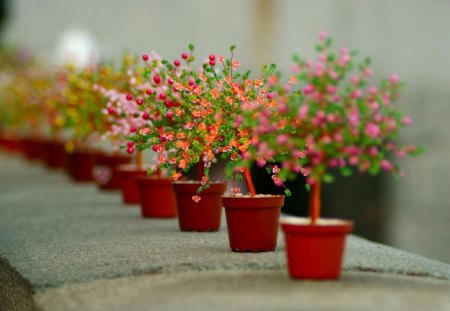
(206, 107)
(328, 116)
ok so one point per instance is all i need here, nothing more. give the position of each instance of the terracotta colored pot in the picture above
(105, 171)
(54, 154)
(127, 174)
(80, 165)
(315, 251)
(253, 222)
(157, 197)
(33, 148)
(204, 215)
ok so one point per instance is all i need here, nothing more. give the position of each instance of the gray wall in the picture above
(409, 37)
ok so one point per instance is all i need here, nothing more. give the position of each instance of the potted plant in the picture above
(210, 103)
(337, 120)
(123, 114)
(53, 98)
(82, 113)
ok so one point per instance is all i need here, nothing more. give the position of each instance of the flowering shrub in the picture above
(192, 114)
(328, 116)
(120, 112)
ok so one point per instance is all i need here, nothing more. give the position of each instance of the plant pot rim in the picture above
(256, 197)
(191, 186)
(247, 202)
(303, 225)
(150, 180)
(132, 168)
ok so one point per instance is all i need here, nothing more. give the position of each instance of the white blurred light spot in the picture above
(76, 46)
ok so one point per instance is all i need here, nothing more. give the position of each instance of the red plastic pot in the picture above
(127, 174)
(253, 222)
(157, 197)
(80, 165)
(105, 171)
(33, 148)
(204, 215)
(315, 251)
(54, 154)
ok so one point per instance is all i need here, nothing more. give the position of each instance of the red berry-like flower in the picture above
(148, 92)
(212, 57)
(176, 63)
(157, 79)
(145, 57)
(162, 139)
(162, 96)
(130, 144)
(212, 63)
(191, 82)
(184, 56)
(130, 150)
(129, 97)
(133, 129)
(145, 116)
(169, 103)
(169, 115)
(111, 110)
(139, 101)
(269, 96)
(155, 148)
(170, 81)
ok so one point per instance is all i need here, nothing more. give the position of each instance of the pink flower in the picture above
(354, 79)
(406, 121)
(353, 118)
(373, 130)
(386, 165)
(308, 89)
(282, 138)
(356, 94)
(368, 72)
(333, 162)
(295, 69)
(353, 160)
(303, 112)
(331, 89)
(323, 35)
(394, 78)
(338, 137)
(373, 90)
(373, 151)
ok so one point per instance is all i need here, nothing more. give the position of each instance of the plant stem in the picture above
(139, 159)
(314, 202)
(248, 180)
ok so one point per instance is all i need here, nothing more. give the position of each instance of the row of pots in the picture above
(313, 251)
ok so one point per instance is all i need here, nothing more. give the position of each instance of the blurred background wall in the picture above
(408, 37)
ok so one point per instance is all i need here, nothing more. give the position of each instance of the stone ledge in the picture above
(60, 235)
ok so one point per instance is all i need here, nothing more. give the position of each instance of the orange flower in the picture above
(259, 83)
(176, 175)
(272, 80)
(293, 80)
(182, 164)
(202, 126)
(215, 93)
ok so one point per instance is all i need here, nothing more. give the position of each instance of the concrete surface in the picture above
(81, 249)
(251, 290)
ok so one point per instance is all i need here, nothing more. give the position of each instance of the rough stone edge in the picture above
(16, 292)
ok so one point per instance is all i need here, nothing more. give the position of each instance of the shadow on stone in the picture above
(16, 293)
